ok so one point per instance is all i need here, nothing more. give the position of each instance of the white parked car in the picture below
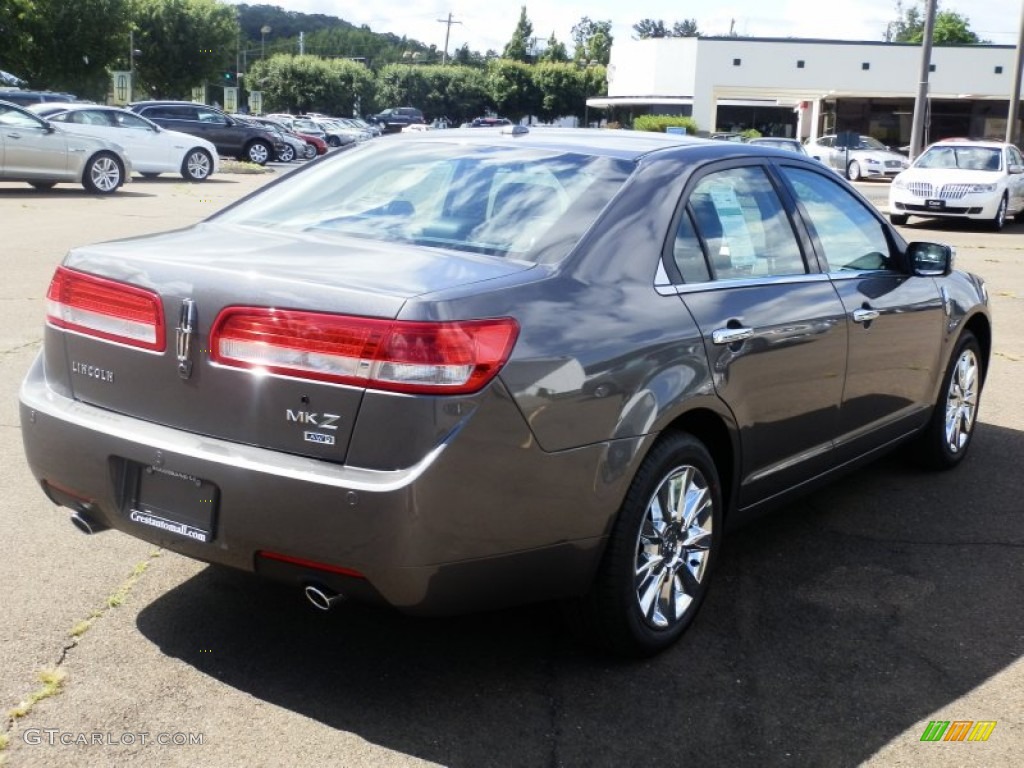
(981, 180)
(870, 159)
(153, 150)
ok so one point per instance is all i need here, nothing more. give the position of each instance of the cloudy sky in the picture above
(490, 24)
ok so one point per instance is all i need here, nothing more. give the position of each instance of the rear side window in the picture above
(88, 117)
(849, 236)
(741, 226)
(170, 112)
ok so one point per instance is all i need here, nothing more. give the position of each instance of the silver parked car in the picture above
(462, 369)
(34, 150)
(869, 159)
(153, 150)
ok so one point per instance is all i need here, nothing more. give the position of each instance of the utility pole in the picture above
(448, 31)
(1011, 121)
(302, 43)
(921, 102)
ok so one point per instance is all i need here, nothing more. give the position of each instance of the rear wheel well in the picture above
(979, 326)
(708, 427)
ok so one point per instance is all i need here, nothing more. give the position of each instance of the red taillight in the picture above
(106, 309)
(396, 355)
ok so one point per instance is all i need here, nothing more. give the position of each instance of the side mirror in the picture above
(1015, 169)
(930, 259)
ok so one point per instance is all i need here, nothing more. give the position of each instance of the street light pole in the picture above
(264, 31)
(131, 64)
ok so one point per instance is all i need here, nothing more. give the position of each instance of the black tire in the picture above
(287, 153)
(853, 171)
(999, 220)
(258, 152)
(103, 174)
(334, 141)
(309, 152)
(197, 165)
(42, 186)
(898, 218)
(626, 610)
(945, 440)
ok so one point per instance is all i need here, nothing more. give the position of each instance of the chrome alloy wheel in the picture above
(198, 165)
(962, 401)
(105, 174)
(673, 545)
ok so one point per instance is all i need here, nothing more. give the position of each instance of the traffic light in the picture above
(230, 79)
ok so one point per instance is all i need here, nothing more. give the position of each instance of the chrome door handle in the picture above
(865, 315)
(731, 335)
(13, 135)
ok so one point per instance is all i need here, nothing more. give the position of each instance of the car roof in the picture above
(622, 144)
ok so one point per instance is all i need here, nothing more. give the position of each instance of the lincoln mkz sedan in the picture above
(464, 369)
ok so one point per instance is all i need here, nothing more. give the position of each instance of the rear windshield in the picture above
(521, 203)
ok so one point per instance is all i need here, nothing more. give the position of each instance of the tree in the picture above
(512, 88)
(183, 43)
(71, 45)
(593, 41)
(312, 84)
(950, 27)
(520, 47)
(648, 28)
(554, 51)
(15, 18)
(685, 28)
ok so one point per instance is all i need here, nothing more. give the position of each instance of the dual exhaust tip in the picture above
(320, 597)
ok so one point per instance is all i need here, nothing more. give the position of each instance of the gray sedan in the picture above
(35, 150)
(462, 369)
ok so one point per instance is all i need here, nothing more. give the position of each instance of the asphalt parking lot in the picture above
(835, 631)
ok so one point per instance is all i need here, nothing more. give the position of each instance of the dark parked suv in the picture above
(395, 119)
(232, 138)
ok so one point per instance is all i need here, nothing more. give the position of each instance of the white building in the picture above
(794, 87)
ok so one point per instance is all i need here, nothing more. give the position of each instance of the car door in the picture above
(773, 326)
(896, 320)
(149, 149)
(32, 149)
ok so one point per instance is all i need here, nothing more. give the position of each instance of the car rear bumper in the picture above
(479, 522)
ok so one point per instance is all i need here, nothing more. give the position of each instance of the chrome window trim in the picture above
(740, 282)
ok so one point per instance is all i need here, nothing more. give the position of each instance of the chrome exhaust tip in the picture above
(322, 598)
(86, 524)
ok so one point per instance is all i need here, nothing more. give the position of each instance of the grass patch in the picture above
(241, 166)
(52, 680)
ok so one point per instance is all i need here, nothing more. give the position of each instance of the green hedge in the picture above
(660, 122)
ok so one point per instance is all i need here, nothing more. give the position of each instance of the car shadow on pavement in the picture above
(833, 626)
(63, 193)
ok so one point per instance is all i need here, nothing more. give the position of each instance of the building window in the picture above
(999, 70)
(737, 62)
(800, 64)
(865, 65)
(931, 67)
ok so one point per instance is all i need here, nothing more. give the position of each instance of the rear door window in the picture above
(741, 226)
